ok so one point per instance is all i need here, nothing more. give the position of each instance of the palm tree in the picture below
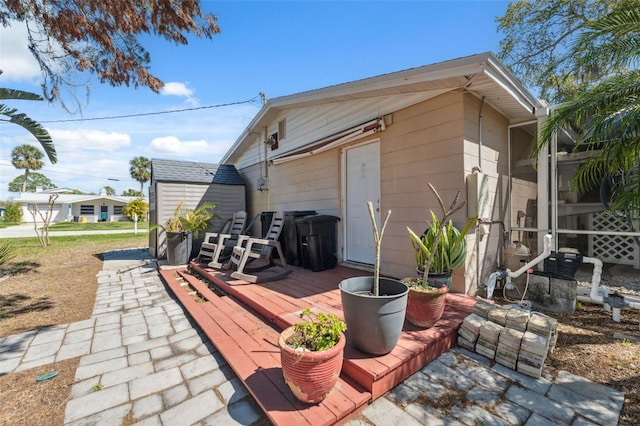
(36, 129)
(606, 116)
(140, 170)
(26, 157)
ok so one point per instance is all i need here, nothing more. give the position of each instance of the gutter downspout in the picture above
(479, 169)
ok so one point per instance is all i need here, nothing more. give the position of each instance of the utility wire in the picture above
(114, 117)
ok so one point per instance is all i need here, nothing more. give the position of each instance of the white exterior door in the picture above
(362, 175)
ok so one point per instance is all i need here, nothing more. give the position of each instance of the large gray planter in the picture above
(374, 323)
(178, 248)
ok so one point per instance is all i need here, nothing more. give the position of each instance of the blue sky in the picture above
(275, 47)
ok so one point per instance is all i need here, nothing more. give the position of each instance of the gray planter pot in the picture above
(178, 248)
(374, 323)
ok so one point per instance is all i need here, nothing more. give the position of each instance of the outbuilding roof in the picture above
(194, 172)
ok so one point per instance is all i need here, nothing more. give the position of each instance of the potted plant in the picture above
(438, 252)
(311, 353)
(374, 307)
(182, 227)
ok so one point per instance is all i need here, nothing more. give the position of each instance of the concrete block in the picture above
(96, 402)
(552, 294)
(207, 381)
(175, 395)
(546, 407)
(192, 410)
(154, 383)
(147, 406)
(127, 374)
(386, 413)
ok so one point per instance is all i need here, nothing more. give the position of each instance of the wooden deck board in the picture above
(250, 347)
(246, 322)
(303, 288)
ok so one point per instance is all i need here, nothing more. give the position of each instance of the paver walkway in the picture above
(156, 368)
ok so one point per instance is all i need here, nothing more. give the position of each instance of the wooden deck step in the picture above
(249, 344)
(279, 301)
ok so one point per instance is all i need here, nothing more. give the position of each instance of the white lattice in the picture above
(612, 248)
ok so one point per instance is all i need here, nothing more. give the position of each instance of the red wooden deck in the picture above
(244, 326)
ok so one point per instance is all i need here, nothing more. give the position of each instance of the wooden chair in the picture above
(253, 255)
(218, 245)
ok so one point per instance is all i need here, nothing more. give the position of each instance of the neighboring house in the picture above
(383, 139)
(70, 207)
(196, 184)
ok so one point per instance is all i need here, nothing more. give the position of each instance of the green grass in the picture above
(30, 245)
(96, 226)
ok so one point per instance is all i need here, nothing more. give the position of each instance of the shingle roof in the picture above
(194, 172)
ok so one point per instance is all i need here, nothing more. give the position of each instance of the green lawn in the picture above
(97, 226)
(4, 224)
(30, 245)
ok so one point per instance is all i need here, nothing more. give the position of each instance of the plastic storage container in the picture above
(289, 236)
(290, 245)
(317, 240)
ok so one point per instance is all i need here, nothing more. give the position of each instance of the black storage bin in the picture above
(290, 242)
(317, 239)
(288, 237)
(561, 265)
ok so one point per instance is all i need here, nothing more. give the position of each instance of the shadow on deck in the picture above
(243, 321)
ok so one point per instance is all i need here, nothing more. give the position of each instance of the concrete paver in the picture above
(152, 366)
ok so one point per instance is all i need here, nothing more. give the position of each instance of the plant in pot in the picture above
(374, 307)
(438, 251)
(182, 227)
(311, 353)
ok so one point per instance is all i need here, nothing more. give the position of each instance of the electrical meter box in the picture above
(478, 203)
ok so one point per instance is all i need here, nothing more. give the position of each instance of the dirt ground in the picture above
(60, 288)
(44, 287)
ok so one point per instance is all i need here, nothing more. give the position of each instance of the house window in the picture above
(86, 209)
(117, 209)
(282, 129)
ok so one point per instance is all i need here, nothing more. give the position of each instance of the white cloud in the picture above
(16, 62)
(175, 88)
(86, 139)
(173, 145)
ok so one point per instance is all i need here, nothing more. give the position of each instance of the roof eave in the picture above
(466, 67)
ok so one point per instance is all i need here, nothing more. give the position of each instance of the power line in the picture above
(68, 171)
(114, 117)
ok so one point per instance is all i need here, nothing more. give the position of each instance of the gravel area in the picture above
(624, 279)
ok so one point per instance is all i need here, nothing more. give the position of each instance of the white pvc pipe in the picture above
(545, 253)
(595, 278)
(598, 295)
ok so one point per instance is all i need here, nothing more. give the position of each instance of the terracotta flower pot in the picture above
(426, 306)
(310, 375)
